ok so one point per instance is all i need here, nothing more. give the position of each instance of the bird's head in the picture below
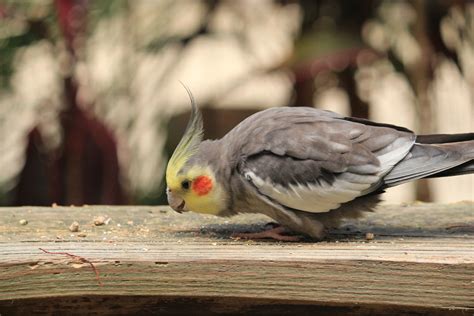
(191, 183)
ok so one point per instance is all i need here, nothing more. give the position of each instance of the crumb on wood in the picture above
(81, 235)
(101, 220)
(74, 227)
(369, 236)
(23, 222)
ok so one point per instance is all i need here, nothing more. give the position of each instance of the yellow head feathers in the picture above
(188, 145)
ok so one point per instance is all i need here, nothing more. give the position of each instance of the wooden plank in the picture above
(422, 258)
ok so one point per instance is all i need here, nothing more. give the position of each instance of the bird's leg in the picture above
(276, 233)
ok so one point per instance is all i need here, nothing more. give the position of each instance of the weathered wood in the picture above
(421, 259)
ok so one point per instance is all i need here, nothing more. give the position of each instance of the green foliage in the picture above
(8, 49)
(26, 22)
(98, 10)
(23, 24)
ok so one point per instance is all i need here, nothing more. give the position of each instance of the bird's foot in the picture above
(276, 233)
(462, 227)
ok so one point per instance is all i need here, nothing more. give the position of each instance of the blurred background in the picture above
(91, 106)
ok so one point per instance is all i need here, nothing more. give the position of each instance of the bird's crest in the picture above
(189, 143)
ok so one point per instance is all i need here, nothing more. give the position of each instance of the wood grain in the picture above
(422, 258)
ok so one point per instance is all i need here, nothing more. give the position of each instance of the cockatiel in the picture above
(303, 167)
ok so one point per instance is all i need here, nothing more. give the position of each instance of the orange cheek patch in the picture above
(202, 185)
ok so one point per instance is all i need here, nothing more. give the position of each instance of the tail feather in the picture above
(465, 168)
(444, 138)
(435, 156)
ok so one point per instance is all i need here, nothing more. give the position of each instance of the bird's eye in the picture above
(185, 184)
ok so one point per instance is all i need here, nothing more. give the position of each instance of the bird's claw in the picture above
(276, 233)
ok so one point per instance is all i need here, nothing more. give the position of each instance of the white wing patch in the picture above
(390, 156)
(314, 198)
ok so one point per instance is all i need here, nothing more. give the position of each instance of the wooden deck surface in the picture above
(420, 261)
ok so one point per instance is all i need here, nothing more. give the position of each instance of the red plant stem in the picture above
(81, 259)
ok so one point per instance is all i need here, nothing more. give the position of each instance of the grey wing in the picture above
(316, 163)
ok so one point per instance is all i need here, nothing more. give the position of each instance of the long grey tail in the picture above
(433, 156)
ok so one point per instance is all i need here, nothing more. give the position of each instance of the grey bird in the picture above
(305, 168)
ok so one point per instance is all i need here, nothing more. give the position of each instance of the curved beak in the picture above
(175, 202)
